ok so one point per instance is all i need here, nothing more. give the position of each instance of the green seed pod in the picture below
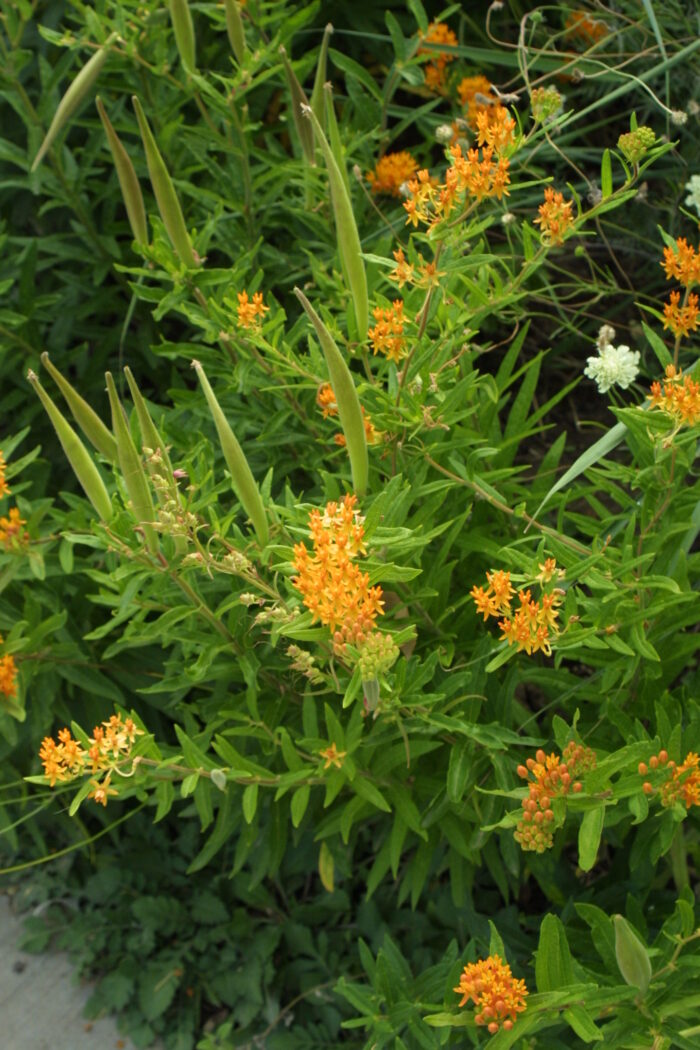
(78, 456)
(74, 96)
(181, 18)
(632, 957)
(128, 182)
(346, 227)
(234, 28)
(150, 435)
(346, 398)
(166, 197)
(87, 419)
(244, 484)
(299, 100)
(317, 99)
(334, 135)
(132, 469)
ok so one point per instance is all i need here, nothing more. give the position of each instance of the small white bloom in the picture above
(614, 366)
(679, 117)
(693, 198)
(444, 133)
(606, 334)
(404, 189)
(507, 218)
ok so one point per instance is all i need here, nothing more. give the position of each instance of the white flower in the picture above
(606, 334)
(507, 218)
(693, 198)
(614, 366)
(444, 133)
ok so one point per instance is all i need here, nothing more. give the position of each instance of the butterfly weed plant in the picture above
(362, 573)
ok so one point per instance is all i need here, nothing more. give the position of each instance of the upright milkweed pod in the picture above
(132, 469)
(244, 484)
(76, 93)
(317, 99)
(346, 398)
(346, 227)
(334, 135)
(299, 100)
(166, 197)
(78, 456)
(234, 28)
(181, 18)
(128, 182)
(87, 419)
(632, 957)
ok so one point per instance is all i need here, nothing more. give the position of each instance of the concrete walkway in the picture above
(41, 1005)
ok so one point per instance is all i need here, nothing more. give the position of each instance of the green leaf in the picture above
(367, 791)
(300, 800)
(553, 964)
(606, 183)
(578, 1018)
(589, 837)
(250, 802)
(157, 988)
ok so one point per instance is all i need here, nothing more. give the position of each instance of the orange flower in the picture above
(680, 784)
(552, 777)
(682, 320)
(391, 171)
(110, 743)
(102, 791)
(478, 176)
(497, 995)
(680, 397)
(11, 534)
(682, 262)
(334, 589)
(530, 625)
(403, 274)
(4, 488)
(333, 757)
(495, 126)
(371, 432)
(250, 314)
(438, 33)
(555, 218)
(8, 676)
(325, 399)
(580, 25)
(476, 97)
(387, 335)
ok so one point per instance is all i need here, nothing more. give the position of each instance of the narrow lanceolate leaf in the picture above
(78, 456)
(76, 94)
(346, 228)
(349, 410)
(317, 97)
(132, 469)
(234, 28)
(87, 419)
(244, 484)
(183, 27)
(166, 197)
(632, 957)
(299, 99)
(128, 182)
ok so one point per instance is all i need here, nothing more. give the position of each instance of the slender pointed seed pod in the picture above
(349, 410)
(87, 419)
(334, 135)
(74, 96)
(128, 182)
(166, 197)
(77, 455)
(132, 469)
(183, 26)
(346, 228)
(299, 99)
(317, 98)
(234, 28)
(244, 484)
(632, 957)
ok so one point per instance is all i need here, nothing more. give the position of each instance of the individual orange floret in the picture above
(680, 397)
(11, 533)
(371, 433)
(434, 71)
(403, 273)
(4, 487)
(682, 262)
(682, 320)
(580, 26)
(497, 995)
(251, 313)
(476, 97)
(391, 172)
(496, 128)
(555, 218)
(387, 335)
(8, 676)
(325, 399)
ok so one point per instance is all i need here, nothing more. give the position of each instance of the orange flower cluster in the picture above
(553, 777)
(495, 128)
(11, 534)
(479, 176)
(387, 335)
(4, 488)
(682, 320)
(555, 218)
(498, 996)
(8, 675)
(251, 313)
(681, 783)
(110, 744)
(680, 397)
(334, 589)
(682, 262)
(325, 399)
(530, 625)
(403, 274)
(434, 71)
(391, 171)
(476, 97)
(580, 26)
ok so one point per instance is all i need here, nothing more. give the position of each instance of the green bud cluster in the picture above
(545, 102)
(376, 654)
(634, 144)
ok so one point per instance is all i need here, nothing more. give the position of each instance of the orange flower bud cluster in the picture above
(679, 783)
(531, 626)
(110, 744)
(387, 335)
(555, 218)
(251, 313)
(391, 172)
(4, 487)
(553, 776)
(434, 71)
(8, 675)
(476, 97)
(12, 535)
(332, 585)
(680, 398)
(580, 26)
(497, 995)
